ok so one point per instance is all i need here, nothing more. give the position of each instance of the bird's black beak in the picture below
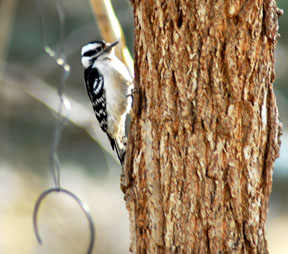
(110, 46)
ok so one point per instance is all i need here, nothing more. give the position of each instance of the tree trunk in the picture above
(204, 132)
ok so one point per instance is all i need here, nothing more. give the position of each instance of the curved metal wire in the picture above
(60, 122)
(83, 206)
(61, 61)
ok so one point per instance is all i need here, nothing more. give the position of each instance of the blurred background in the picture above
(28, 83)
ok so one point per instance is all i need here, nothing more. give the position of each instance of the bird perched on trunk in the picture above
(109, 84)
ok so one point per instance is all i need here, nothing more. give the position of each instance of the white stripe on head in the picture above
(87, 48)
(90, 46)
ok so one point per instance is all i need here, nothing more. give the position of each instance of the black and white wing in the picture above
(94, 82)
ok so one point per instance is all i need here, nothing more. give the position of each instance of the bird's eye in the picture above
(98, 49)
(92, 52)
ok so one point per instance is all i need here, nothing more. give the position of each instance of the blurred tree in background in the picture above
(26, 127)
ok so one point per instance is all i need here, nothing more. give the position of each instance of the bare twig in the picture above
(111, 29)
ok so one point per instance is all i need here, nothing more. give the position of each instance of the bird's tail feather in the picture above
(120, 152)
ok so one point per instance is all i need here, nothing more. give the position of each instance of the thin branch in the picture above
(111, 29)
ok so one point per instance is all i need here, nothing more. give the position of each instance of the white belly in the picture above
(117, 84)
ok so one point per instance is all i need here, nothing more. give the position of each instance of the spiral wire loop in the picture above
(61, 118)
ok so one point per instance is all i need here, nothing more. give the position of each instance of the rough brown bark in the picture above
(205, 131)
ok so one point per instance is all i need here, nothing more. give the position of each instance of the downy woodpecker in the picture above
(109, 84)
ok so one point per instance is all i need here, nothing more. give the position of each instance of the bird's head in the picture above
(96, 50)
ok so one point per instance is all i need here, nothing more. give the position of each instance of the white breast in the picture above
(116, 84)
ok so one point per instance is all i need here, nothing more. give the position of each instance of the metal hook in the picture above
(60, 122)
(83, 206)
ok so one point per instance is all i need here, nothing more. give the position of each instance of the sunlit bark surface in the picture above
(204, 132)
